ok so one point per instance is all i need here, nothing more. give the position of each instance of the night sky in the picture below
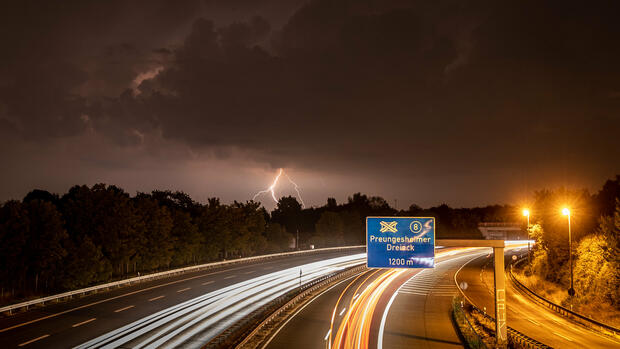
(463, 102)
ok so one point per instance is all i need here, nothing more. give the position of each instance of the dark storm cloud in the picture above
(58, 56)
(332, 77)
(466, 91)
(349, 82)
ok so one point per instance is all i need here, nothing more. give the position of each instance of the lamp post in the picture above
(526, 213)
(571, 290)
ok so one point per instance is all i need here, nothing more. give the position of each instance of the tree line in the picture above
(90, 235)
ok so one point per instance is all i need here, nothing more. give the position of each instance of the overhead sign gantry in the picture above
(409, 242)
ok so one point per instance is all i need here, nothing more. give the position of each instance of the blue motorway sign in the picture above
(400, 242)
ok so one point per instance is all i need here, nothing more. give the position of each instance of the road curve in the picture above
(384, 308)
(523, 314)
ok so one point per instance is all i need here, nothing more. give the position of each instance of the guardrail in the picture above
(465, 328)
(126, 282)
(581, 319)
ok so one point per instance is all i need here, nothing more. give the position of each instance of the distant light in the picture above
(526, 212)
(565, 211)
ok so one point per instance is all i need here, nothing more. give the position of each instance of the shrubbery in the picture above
(596, 249)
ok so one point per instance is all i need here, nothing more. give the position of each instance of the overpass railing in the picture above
(581, 319)
(148, 277)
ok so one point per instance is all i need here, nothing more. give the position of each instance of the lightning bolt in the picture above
(297, 190)
(271, 188)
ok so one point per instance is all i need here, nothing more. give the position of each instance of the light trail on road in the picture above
(195, 322)
(354, 330)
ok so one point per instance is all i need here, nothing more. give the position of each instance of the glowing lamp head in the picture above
(565, 211)
(526, 212)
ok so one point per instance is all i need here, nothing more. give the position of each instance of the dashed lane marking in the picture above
(84, 322)
(559, 335)
(156, 298)
(112, 298)
(534, 322)
(123, 309)
(327, 335)
(33, 340)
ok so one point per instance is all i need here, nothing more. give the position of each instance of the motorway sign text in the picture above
(400, 242)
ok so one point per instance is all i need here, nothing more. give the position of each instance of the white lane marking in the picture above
(342, 312)
(250, 272)
(534, 322)
(327, 335)
(184, 289)
(387, 310)
(557, 334)
(206, 283)
(230, 277)
(383, 318)
(357, 295)
(33, 340)
(156, 298)
(123, 309)
(84, 322)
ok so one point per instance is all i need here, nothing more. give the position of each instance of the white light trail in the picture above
(210, 314)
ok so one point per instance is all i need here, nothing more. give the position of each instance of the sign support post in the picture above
(500, 296)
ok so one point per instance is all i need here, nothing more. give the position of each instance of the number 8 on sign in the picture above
(415, 226)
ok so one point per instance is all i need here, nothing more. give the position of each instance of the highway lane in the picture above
(420, 314)
(523, 314)
(387, 308)
(71, 323)
(193, 323)
(310, 327)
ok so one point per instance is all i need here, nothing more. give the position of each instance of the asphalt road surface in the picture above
(384, 308)
(73, 322)
(523, 314)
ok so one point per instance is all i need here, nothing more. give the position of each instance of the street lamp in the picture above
(526, 213)
(571, 290)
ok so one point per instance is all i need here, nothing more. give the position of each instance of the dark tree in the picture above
(153, 234)
(105, 214)
(288, 214)
(42, 195)
(46, 242)
(14, 250)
